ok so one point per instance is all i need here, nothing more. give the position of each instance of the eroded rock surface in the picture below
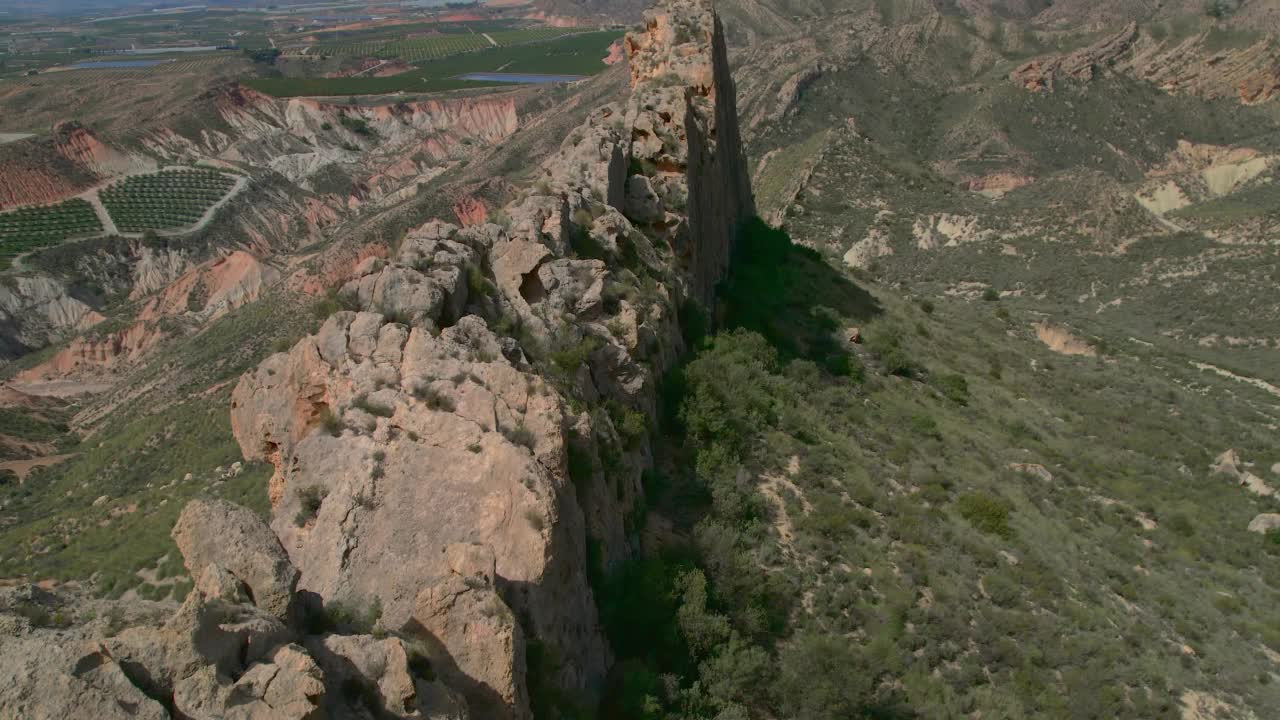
(430, 422)
(440, 444)
(220, 535)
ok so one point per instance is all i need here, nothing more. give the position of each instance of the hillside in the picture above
(821, 360)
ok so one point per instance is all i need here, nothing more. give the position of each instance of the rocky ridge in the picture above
(1249, 74)
(447, 449)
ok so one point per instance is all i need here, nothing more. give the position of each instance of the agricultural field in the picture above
(32, 228)
(439, 46)
(397, 31)
(165, 200)
(576, 54)
(26, 51)
(414, 49)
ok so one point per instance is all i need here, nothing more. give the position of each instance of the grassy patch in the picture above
(580, 54)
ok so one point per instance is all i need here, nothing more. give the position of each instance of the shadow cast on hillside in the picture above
(790, 295)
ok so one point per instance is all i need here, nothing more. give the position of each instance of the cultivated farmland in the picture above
(574, 54)
(36, 227)
(412, 49)
(438, 46)
(165, 200)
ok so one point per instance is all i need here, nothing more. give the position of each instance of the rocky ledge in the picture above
(448, 447)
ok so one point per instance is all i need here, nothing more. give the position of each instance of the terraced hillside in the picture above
(31, 228)
(165, 201)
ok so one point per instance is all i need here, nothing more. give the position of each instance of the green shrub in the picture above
(362, 402)
(520, 435)
(925, 425)
(954, 387)
(310, 498)
(630, 423)
(330, 422)
(346, 618)
(568, 359)
(477, 284)
(986, 513)
(357, 125)
(433, 398)
(332, 302)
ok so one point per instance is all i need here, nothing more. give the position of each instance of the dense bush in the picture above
(986, 513)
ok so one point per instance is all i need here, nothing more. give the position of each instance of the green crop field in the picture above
(165, 200)
(412, 49)
(577, 54)
(507, 38)
(439, 46)
(36, 227)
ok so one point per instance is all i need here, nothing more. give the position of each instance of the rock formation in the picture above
(231, 650)
(446, 450)
(1193, 65)
(418, 423)
(35, 310)
(1082, 65)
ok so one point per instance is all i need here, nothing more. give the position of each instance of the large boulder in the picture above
(1229, 465)
(217, 532)
(288, 686)
(1265, 523)
(386, 673)
(476, 643)
(45, 676)
(203, 633)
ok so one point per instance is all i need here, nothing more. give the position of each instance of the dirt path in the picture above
(92, 197)
(1260, 384)
(104, 217)
(60, 388)
(23, 468)
(375, 67)
(242, 182)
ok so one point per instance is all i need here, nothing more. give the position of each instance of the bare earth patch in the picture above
(23, 468)
(1261, 384)
(1198, 705)
(1060, 340)
(773, 487)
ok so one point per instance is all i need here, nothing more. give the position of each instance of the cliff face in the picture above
(689, 49)
(424, 424)
(447, 450)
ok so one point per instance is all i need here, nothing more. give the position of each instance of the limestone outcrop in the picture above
(449, 444)
(218, 534)
(1195, 65)
(439, 446)
(45, 680)
(1264, 523)
(225, 653)
(473, 626)
(1081, 66)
